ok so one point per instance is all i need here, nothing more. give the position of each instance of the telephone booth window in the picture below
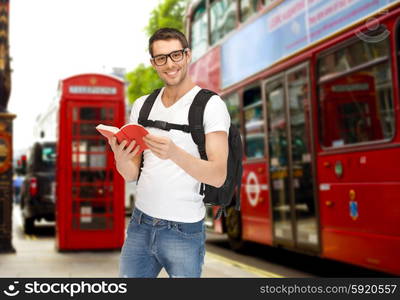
(92, 189)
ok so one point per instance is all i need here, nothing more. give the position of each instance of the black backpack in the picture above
(230, 190)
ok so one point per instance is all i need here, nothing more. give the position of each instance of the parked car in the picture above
(37, 192)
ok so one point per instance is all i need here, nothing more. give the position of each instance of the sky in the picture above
(54, 39)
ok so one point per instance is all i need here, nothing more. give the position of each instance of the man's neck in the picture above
(174, 93)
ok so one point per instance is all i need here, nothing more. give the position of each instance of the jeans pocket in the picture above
(133, 222)
(134, 219)
(193, 230)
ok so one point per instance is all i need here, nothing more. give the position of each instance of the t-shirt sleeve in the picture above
(216, 116)
(134, 116)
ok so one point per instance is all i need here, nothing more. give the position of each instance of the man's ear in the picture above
(152, 63)
(189, 55)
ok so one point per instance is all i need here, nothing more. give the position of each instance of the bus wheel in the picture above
(233, 223)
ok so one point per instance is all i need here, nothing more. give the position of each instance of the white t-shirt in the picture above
(165, 190)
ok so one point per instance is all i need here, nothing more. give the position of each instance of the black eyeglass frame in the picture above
(184, 50)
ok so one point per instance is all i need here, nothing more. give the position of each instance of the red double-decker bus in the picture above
(313, 87)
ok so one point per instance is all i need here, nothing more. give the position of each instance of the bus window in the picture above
(266, 3)
(232, 103)
(247, 8)
(199, 31)
(355, 94)
(299, 115)
(223, 18)
(347, 58)
(301, 165)
(254, 123)
(277, 129)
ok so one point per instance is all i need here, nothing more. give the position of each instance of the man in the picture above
(166, 229)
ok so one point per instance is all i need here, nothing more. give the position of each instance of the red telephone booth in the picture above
(90, 193)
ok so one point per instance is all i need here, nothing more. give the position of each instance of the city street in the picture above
(36, 256)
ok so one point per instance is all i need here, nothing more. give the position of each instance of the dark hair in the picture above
(167, 34)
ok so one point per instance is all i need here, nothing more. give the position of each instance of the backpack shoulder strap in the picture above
(143, 118)
(146, 108)
(196, 116)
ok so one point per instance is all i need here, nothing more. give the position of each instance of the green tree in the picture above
(143, 80)
(169, 13)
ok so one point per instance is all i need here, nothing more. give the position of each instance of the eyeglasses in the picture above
(175, 56)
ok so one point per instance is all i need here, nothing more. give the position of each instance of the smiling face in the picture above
(172, 73)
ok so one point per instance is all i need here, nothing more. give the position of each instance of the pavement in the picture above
(36, 256)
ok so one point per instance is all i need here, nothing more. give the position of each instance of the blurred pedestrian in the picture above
(17, 184)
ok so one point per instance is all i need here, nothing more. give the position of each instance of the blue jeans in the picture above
(152, 244)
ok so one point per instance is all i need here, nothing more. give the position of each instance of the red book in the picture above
(127, 132)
